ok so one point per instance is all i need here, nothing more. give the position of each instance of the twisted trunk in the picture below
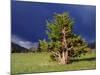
(65, 57)
(62, 56)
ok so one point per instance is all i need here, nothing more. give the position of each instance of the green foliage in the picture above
(54, 27)
(43, 46)
(78, 46)
(63, 24)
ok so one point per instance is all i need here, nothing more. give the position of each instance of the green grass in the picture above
(41, 62)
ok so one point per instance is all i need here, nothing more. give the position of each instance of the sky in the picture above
(29, 20)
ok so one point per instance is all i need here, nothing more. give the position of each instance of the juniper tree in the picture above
(63, 43)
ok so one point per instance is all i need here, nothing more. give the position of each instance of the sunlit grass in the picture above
(41, 62)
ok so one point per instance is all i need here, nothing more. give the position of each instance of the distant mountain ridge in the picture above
(15, 48)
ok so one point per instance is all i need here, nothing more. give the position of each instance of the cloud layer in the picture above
(22, 42)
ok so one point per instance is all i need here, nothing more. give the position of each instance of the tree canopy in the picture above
(63, 43)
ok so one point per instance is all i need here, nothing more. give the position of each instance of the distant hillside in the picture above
(17, 49)
(92, 45)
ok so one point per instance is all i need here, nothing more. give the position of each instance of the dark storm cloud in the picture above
(29, 19)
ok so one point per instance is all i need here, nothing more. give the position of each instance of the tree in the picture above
(63, 43)
(43, 46)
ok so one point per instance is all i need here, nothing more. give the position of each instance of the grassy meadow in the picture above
(41, 62)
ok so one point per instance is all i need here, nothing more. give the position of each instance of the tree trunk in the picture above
(65, 57)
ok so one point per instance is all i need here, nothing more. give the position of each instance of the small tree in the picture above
(64, 44)
(43, 46)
